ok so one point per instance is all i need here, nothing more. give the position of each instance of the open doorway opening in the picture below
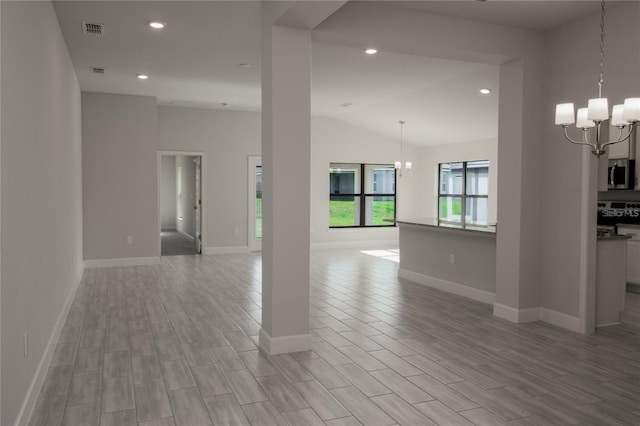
(255, 203)
(180, 203)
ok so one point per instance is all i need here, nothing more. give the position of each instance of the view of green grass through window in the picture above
(350, 206)
(464, 187)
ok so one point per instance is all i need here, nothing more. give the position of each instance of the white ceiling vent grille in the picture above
(98, 70)
(93, 29)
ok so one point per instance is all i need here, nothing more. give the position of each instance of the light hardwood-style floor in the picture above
(175, 344)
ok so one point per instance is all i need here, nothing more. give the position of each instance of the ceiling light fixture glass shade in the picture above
(156, 25)
(398, 164)
(142, 76)
(624, 116)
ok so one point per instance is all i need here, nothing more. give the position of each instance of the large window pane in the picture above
(378, 209)
(476, 209)
(450, 209)
(344, 179)
(379, 179)
(477, 178)
(344, 211)
(451, 178)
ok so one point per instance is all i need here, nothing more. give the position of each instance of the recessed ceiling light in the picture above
(485, 91)
(371, 51)
(244, 65)
(157, 25)
(142, 76)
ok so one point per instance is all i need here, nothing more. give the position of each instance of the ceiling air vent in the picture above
(98, 70)
(93, 29)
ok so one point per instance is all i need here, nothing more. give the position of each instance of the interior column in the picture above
(286, 151)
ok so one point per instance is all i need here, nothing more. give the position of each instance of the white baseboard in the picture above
(516, 315)
(448, 286)
(556, 318)
(181, 232)
(227, 250)
(560, 319)
(29, 403)
(126, 261)
(286, 344)
(355, 245)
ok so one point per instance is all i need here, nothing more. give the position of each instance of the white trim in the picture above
(184, 234)
(561, 320)
(227, 250)
(448, 286)
(127, 261)
(549, 316)
(285, 344)
(516, 315)
(29, 403)
(355, 245)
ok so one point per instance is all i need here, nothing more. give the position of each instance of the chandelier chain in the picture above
(602, 34)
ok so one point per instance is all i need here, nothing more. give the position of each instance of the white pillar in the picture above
(286, 152)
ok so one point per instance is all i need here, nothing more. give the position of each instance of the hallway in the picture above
(176, 344)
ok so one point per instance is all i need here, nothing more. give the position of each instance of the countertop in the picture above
(628, 225)
(614, 237)
(435, 223)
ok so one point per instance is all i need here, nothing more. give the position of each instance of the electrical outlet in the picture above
(26, 343)
(129, 239)
(452, 259)
(236, 231)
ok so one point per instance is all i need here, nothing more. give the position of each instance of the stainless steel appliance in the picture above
(621, 174)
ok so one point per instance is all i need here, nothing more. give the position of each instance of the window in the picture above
(464, 187)
(361, 195)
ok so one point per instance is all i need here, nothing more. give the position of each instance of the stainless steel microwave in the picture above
(621, 174)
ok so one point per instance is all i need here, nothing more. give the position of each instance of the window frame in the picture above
(462, 195)
(363, 195)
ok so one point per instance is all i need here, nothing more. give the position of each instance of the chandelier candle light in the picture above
(597, 112)
(398, 164)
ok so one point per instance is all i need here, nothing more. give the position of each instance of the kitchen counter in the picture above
(628, 225)
(435, 223)
(450, 257)
(614, 237)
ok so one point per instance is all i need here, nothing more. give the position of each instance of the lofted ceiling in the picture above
(195, 62)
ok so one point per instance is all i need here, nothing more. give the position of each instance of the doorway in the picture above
(255, 203)
(180, 203)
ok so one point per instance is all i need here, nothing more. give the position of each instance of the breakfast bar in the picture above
(452, 257)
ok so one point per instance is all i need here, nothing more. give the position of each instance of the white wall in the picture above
(226, 138)
(187, 223)
(573, 71)
(431, 157)
(335, 141)
(119, 141)
(229, 137)
(168, 192)
(41, 192)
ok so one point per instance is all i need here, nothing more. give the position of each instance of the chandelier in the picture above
(398, 164)
(624, 116)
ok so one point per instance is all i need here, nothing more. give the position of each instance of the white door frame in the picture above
(254, 244)
(203, 180)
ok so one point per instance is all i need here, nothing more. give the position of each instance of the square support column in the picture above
(286, 158)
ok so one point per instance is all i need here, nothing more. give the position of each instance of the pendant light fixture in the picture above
(624, 116)
(398, 164)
